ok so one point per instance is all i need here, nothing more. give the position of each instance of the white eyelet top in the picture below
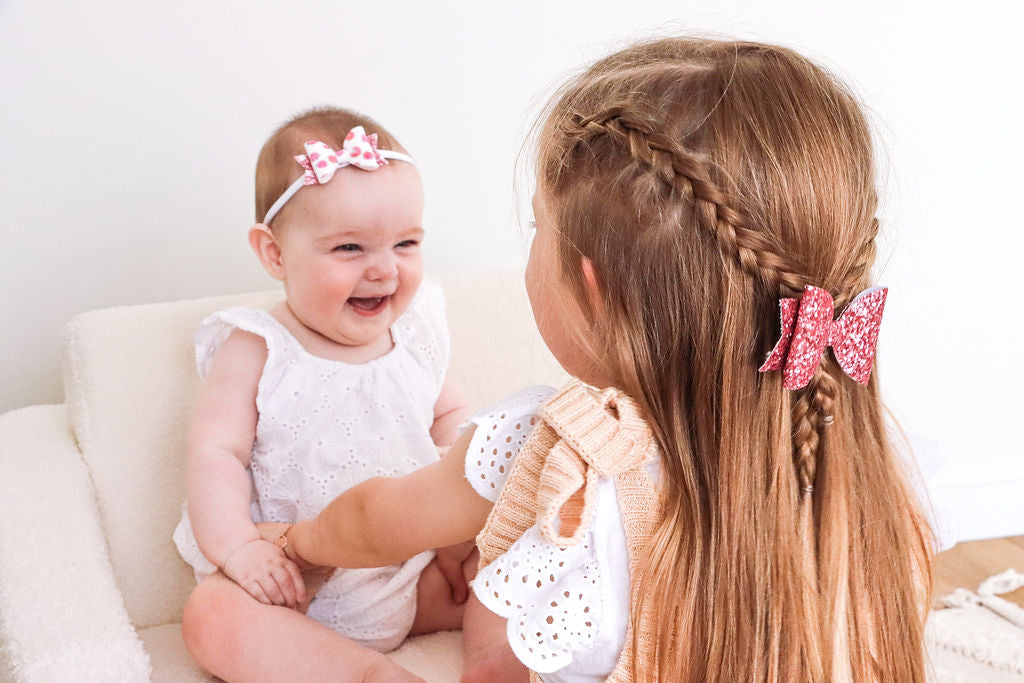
(324, 425)
(567, 608)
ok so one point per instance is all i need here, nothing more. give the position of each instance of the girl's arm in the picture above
(218, 489)
(450, 411)
(383, 520)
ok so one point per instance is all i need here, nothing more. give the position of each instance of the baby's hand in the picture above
(450, 560)
(263, 571)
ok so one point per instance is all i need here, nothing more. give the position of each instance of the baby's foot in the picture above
(495, 664)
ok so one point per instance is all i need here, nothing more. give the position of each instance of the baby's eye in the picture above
(347, 247)
(407, 243)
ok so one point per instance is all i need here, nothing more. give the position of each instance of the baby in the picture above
(342, 381)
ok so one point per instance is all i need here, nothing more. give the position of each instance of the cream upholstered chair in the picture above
(91, 586)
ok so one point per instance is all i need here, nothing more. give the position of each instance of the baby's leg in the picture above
(486, 653)
(435, 609)
(238, 638)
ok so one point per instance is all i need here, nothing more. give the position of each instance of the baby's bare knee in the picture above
(209, 622)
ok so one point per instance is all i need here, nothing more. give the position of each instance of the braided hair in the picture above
(705, 180)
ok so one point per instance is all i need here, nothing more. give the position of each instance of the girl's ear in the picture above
(268, 251)
(592, 286)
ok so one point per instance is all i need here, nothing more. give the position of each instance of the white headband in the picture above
(320, 161)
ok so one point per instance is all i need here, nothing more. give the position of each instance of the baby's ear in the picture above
(268, 251)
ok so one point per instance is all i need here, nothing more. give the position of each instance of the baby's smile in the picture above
(369, 306)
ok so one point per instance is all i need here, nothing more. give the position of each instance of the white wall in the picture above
(129, 133)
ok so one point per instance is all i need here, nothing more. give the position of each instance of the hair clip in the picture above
(808, 328)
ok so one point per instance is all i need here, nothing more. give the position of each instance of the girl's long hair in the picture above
(705, 180)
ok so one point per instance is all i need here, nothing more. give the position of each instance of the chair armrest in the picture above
(62, 617)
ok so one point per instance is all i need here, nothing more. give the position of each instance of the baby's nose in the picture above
(383, 266)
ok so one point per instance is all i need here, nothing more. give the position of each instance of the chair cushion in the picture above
(130, 381)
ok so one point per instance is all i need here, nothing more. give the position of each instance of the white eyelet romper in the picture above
(325, 426)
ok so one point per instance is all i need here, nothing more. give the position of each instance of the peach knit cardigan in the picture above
(583, 436)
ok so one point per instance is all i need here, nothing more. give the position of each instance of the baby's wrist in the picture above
(227, 556)
(282, 543)
(287, 543)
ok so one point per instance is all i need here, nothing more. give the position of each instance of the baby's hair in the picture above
(276, 167)
(706, 179)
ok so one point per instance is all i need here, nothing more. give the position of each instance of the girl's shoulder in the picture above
(566, 603)
(501, 431)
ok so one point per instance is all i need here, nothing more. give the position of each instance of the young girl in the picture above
(685, 510)
(342, 381)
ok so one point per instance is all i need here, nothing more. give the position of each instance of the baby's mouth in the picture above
(369, 305)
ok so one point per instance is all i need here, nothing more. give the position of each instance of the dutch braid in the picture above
(856, 274)
(688, 175)
(812, 414)
(812, 408)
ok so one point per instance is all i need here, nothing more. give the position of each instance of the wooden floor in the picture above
(965, 565)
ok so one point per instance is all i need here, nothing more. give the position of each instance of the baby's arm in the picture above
(219, 447)
(383, 520)
(450, 411)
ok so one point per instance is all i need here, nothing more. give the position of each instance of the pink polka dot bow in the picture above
(359, 149)
(808, 328)
(321, 162)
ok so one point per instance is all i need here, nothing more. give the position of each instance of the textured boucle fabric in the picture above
(61, 614)
(582, 437)
(91, 586)
(130, 383)
(130, 380)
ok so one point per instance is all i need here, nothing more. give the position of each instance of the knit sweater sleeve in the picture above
(500, 432)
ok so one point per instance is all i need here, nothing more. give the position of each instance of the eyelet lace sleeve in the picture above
(500, 433)
(567, 607)
(216, 328)
(550, 595)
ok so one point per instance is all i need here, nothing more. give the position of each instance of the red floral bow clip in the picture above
(808, 327)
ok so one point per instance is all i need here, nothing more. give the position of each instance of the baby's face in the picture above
(351, 252)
